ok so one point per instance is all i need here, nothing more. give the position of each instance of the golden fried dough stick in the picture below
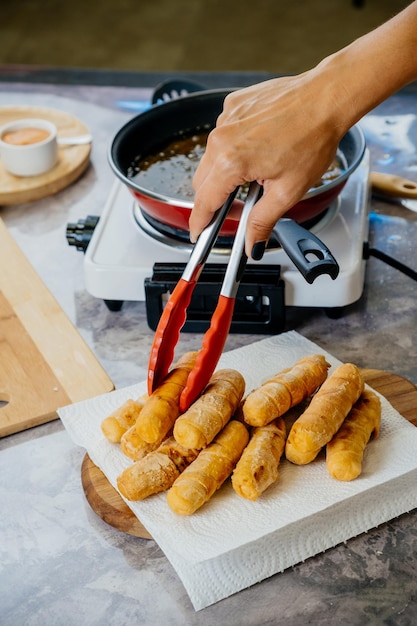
(162, 408)
(324, 415)
(207, 473)
(344, 453)
(155, 472)
(257, 468)
(198, 426)
(288, 388)
(134, 446)
(116, 424)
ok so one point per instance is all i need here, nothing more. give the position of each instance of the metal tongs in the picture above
(299, 244)
(174, 314)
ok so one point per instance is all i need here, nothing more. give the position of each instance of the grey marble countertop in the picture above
(59, 562)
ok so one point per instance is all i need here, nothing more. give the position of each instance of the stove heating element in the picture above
(125, 251)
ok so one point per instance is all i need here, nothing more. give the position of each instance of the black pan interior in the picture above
(153, 129)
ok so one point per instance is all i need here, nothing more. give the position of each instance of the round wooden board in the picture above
(72, 160)
(108, 504)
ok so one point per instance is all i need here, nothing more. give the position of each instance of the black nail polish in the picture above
(258, 250)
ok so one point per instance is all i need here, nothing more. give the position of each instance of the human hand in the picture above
(282, 133)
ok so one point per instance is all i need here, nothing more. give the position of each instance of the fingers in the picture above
(209, 197)
(213, 182)
(273, 204)
(244, 146)
(203, 212)
(262, 219)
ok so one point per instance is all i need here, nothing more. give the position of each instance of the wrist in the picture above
(363, 74)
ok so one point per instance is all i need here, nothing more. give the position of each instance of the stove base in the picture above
(259, 305)
(120, 257)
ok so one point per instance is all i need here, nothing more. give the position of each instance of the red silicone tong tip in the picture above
(210, 353)
(167, 333)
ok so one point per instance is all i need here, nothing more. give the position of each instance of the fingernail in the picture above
(258, 250)
(193, 239)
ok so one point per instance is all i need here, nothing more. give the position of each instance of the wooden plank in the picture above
(31, 374)
(44, 361)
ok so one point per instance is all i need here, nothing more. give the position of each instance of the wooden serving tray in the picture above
(72, 160)
(108, 504)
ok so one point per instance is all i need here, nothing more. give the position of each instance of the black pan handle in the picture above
(308, 253)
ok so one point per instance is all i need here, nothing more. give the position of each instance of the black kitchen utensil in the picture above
(173, 89)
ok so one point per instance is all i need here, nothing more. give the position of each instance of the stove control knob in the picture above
(79, 234)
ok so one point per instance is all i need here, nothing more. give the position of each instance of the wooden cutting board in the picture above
(108, 504)
(72, 160)
(44, 362)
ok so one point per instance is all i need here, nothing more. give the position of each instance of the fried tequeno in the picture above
(344, 453)
(199, 425)
(257, 468)
(200, 480)
(134, 446)
(288, 388)
(155, 472)
(162, 408)
(324, 415)
(116, 424)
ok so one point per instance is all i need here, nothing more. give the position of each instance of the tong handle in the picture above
(215, 337)
(206, 241)
(174, 314)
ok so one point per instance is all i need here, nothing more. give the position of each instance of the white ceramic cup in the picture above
(29, 159)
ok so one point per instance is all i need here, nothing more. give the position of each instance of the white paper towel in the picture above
(232, 543)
